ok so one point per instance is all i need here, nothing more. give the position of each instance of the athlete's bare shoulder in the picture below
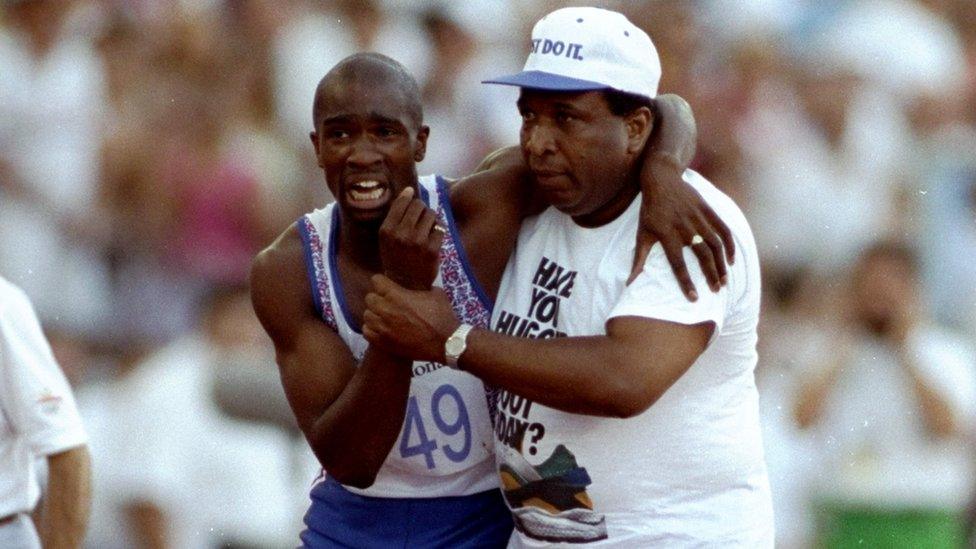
(280, 292)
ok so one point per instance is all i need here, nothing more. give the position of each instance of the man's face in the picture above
(368, 145)
(579, 151)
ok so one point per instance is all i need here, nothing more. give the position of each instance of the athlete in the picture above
(629, 414)
(406, 446)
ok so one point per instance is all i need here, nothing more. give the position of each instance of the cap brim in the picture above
(539, 80)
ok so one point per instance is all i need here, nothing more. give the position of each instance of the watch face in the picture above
(454, 346)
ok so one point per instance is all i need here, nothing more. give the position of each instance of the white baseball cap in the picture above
(582, 49)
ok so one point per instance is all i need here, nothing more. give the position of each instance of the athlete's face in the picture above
(579, 151)
(368, 144)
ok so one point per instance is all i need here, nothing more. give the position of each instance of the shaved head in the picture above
(369, 71)
(368, 127)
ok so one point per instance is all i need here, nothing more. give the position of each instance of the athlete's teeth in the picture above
(358, 194)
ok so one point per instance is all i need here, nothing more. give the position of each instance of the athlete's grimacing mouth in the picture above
(366, 192)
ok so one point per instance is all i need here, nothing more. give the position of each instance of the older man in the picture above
(577, 348)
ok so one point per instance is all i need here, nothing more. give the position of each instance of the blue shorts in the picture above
(340, 518)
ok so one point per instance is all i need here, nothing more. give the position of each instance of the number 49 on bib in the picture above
(414, 423)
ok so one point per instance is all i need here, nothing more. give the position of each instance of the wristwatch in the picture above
(456, 344)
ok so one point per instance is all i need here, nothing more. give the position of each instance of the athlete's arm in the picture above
(672, 211)
(351, 416)
(488, 208)
(619, 374)
(490, 204)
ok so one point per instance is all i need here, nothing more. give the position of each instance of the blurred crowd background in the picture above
(149, 148)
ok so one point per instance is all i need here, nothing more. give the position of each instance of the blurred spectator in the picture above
(172, 470)
(901, 45)
(824, 156)
(468, 120)
(149, 304)
(791, 334)
(830, 142)
(253, 138)
(216, 226)
(318, 34)
(947, 223)
(179, 177)
(52, 96)
(943, 177)
(892, 401)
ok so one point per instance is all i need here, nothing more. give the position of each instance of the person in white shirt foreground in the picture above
(38, 418)
(629, 414)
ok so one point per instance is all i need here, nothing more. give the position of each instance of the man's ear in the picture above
(315, 144)
(639, 126)
(420, 150)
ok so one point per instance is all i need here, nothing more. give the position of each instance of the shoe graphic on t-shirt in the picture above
(549, 501)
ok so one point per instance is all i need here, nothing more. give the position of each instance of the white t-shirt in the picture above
(38, 416)
(689, 471)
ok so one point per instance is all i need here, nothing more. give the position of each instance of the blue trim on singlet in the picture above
(340, 292)
(444, 193)
(303, 223)
(424, 194)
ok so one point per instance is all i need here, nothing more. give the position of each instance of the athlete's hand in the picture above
(408, 323)
(673, 212)
(410, 242)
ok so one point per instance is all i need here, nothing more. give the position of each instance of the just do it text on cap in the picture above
(582, 49)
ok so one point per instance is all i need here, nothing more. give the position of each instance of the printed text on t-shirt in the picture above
(551, 284)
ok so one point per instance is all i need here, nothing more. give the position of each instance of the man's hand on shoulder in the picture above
(408, 323)
(674, 214)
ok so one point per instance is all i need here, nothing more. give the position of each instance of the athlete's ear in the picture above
(315, 144)
(420, 150)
